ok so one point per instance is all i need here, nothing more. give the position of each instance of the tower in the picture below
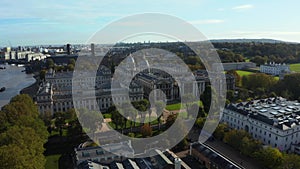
(93, 49)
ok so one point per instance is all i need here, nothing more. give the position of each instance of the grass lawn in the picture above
(52, 161)
(295, 67)
(171, 107)
(243, 73)
(177, 106)
(106, 115)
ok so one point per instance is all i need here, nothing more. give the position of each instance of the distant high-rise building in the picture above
(68, 49)
(93, 49)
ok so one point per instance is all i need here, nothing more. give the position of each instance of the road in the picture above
(233, 155)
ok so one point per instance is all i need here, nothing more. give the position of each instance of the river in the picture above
(14, 80)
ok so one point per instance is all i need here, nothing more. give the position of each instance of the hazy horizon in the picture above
(60, 22)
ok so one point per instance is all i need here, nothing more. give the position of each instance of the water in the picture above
(14, 80)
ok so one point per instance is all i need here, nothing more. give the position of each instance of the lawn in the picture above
(295, 67)
(177, 106)
(172, 107)
(153, 120)
(243, 73)
(52, 161)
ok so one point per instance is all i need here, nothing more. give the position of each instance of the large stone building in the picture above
(273, 121)
(235, 65)
(275, 69)
(173, 90)
(56, 94)
(91, 157)
(210, 158)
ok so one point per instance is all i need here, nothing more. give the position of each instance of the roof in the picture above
(278, 112)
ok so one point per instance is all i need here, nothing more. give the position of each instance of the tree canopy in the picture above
(22, 135)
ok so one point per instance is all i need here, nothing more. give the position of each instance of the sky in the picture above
(34, 22)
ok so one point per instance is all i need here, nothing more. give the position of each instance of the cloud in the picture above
(266, 33)
(243, 7)
(208, 21)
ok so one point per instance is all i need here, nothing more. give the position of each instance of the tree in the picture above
(170, 120)
(188, 100)
(230, 95)
(43, 74)
(193, 107)
(219, 133)
(90, 120)
(60, 121)
(235, 137)
(159, 110)
(28, 146)
(250, 146)
(146, 130)
(237, 77)
(142, 106)
(206, 98)
(259, 60)
(270, 157)
(201, 112)
(266, 82)
(289, 86)
(200, 122)
(243, 94)
(117, 119)
(22, 134)
(290, 161)
(50, 63)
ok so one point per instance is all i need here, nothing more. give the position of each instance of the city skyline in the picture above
(56, 22)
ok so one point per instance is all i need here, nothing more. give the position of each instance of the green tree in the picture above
(270, 157)
(290, 161)
(230, 95)
(289, 86)
(250, 146)
(90, 120)
(206, 98)
(259, 60)
(60, 121)
(235, 137)
(30, 147)
(200, 122)
(219, 133)
(50, 63)
(43, 74)
(237, 77)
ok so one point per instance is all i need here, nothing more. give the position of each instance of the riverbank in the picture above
(14, 79)
(32, 89)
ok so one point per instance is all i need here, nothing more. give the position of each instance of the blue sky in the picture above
(33, 22)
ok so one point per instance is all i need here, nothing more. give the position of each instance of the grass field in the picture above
(172, 107)
(52, 161)
(177, 106)
(295, 67)
(243, 73)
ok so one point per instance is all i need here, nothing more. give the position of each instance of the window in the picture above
(85, 154)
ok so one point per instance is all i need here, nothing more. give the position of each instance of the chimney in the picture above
(93, 49)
